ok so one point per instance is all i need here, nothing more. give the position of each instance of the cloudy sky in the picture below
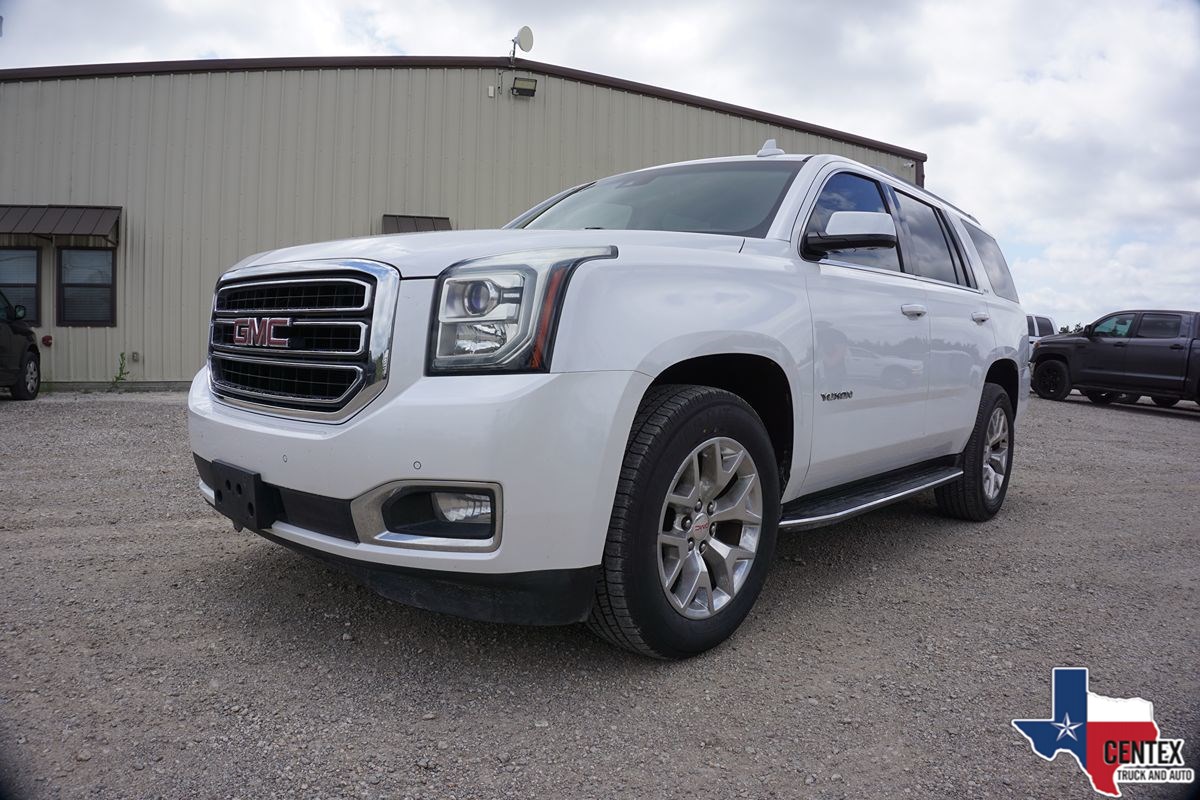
(1072, 130)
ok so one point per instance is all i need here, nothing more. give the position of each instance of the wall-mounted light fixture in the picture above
(524, 87)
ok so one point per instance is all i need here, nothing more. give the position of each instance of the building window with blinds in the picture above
(87, 287)
(19, 280)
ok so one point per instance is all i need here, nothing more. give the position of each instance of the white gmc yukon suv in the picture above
(606, 410)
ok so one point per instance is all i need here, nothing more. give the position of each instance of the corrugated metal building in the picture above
(126, 189)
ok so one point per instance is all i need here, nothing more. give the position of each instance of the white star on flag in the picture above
(1066, 727)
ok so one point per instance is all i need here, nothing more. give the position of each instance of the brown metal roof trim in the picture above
(61, 220)
(443, 62)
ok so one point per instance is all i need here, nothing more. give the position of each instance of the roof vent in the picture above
(769, 149)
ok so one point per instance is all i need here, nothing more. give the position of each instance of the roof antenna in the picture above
(769, 149)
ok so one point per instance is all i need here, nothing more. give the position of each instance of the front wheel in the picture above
(986, 461)
(29, 377)
(693, 525)
(1165, 402)
(1051, 380)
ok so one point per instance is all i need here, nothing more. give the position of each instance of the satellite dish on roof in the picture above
(524, 39)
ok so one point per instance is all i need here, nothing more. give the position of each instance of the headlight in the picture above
(501, 312)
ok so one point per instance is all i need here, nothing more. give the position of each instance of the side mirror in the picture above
(849, 229)
(19, 312)
(1087, 331)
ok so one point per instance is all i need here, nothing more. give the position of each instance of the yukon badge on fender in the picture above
(606, 411)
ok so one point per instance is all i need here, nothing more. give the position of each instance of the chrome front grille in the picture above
(309, 340)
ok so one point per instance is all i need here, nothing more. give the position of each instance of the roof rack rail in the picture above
(937, 197)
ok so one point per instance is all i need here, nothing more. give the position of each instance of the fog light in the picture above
(442, 512)
(463, 507)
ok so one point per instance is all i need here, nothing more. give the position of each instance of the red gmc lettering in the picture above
(259, 331)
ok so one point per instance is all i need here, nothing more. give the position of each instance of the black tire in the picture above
(631, 608)
(21, 390)
(1051, 379)
(965, 498)
(1101, 398)
(1164, 402)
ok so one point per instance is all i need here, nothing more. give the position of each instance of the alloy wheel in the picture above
(995, 454)
(711, 519)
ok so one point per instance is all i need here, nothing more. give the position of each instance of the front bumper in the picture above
(551, 443)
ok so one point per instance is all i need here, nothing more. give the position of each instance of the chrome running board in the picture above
(842, 503)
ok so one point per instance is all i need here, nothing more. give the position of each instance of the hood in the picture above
(425, 255)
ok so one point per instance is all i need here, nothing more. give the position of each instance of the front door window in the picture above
(1116, 326)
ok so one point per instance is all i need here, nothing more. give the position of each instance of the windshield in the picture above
(739, 198)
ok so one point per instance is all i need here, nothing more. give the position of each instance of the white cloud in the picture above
(1068, 129)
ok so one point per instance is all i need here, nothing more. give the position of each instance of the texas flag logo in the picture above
(1114, 739)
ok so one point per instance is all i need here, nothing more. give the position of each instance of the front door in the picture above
(1157, 354)
(871, 350)
(1101, 357)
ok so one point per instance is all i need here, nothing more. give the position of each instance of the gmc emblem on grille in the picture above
(259, 331)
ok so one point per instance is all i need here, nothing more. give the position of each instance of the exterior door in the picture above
(1101, 360)
(871, 350)
(961, 334)
(1157, 353)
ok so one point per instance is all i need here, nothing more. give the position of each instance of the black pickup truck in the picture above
(1155, 353)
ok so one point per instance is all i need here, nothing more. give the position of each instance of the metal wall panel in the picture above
(211, 167)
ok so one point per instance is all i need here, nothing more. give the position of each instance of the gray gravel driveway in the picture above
(148, 650)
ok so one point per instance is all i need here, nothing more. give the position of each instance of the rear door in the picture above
(961, 336)
(1100, 359)
(9, 351)
(1157, 353)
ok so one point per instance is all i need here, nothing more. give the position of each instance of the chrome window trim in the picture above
(829, 262)
(379, 345)
(367, 512)
(283, 353)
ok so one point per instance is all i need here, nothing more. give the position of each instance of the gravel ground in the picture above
(148, 650)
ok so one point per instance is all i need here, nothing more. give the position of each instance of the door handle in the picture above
(1177, 346)
(981, 317)
(912, 310)
(1119, 344)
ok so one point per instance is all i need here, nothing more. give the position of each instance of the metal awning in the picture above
(411, 223)
(61, 221)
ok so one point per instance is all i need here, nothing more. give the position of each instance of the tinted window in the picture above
(19, 279)
(993, 263)
(846, 192)
(738, 198)
(1032, 327)
(927, 253)
(1045, 327)
(85, 287)
(1117, 325)
(1160, 326)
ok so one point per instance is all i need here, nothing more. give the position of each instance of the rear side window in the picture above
(993, 263)
(847, 192)
(1160, 326)
(928, 251)
(1045, 327)
(1032, 326)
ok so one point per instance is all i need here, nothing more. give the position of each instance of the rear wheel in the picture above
(29, 377)
(1051, 380)
(1165, 402)
(986, 462)
(1101, 398)
(693, 526)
